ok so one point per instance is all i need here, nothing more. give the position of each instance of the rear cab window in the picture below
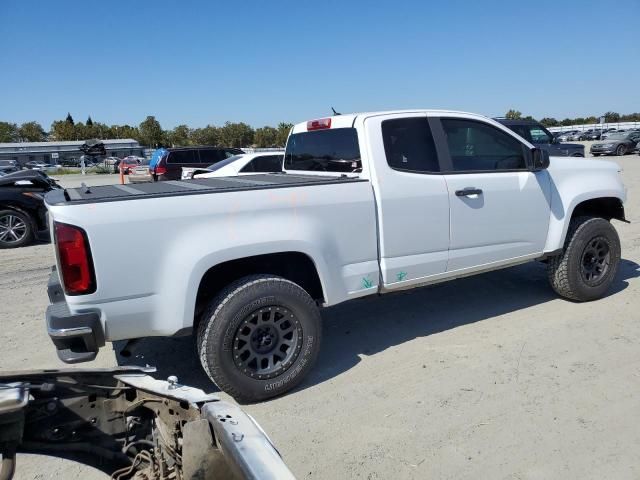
(330, 150)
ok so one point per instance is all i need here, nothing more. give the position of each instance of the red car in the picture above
(128, 164)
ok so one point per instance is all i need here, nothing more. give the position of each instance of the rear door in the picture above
(499, 208)
(411, 199)
(209, 156)
(178, 159)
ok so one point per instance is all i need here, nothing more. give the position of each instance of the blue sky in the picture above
(262, 62)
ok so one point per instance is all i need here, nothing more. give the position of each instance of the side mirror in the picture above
(540, 159)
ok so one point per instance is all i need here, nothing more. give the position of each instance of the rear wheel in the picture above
(589, 263)
(595, 154)
(259, 337)
(16, 229)
(621, 150)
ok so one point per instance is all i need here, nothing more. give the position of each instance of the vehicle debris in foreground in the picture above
(131, 426)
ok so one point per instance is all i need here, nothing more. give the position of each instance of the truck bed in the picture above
(117, 193)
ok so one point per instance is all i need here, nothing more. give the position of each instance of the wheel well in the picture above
(294, 266)
(606, 207)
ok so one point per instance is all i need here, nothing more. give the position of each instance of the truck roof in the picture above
(348, 120)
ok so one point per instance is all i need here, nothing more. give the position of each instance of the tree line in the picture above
(149, 133)
(609, 117)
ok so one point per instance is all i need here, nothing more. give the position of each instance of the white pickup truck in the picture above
(367, 204)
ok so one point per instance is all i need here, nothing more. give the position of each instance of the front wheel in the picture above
(589, 262)
(621, 150)
(259, 337)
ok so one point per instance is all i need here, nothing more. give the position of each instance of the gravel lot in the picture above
(491, 376)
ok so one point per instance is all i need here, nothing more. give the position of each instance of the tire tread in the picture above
(558, 270)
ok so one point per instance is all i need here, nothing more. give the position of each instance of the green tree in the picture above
(283, 133)
(31, 132)
(150, 132)
(266, 137)
(61, 131)
(69, 118)
(99, 130)
(513, 115)
(124, 131)
(611, 117)
(236, 135)
(8, 132)
(549, 122)
(81, 132)
(208, 135)
(179, 136)
(591, 119)
(630, 117)
(89, 121)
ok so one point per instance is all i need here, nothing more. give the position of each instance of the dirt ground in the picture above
(491, 376)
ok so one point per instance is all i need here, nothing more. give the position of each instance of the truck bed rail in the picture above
(116, 193)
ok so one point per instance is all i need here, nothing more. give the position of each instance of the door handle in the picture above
(468, 191)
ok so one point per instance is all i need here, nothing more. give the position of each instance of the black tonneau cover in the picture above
(116, 193)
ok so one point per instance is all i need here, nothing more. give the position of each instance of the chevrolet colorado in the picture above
(366, 204)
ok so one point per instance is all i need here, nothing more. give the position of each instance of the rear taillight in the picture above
(76, 266)
(160, 170)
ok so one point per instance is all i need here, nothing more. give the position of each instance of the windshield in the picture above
(223, 163)
(333, 150)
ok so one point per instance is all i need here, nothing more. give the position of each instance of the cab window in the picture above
(475, 146)
(409, 145)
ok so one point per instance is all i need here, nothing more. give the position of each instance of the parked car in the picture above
(537, 134)
(23, 215)
(170, 165)
(575, 136)
(593, 135)
(8, 166)
(244, 164)
(111, 161)
(367, 204)
(582, 136)
(617, 143)
(70, 162)
(564, 136)
(128, 164)
(35, 165)
(141, 173)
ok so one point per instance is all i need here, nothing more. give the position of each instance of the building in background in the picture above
(64, 153)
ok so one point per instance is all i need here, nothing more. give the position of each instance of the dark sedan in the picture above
(23, 214)
(617, 143)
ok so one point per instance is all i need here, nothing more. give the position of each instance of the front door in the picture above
(499, 208)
